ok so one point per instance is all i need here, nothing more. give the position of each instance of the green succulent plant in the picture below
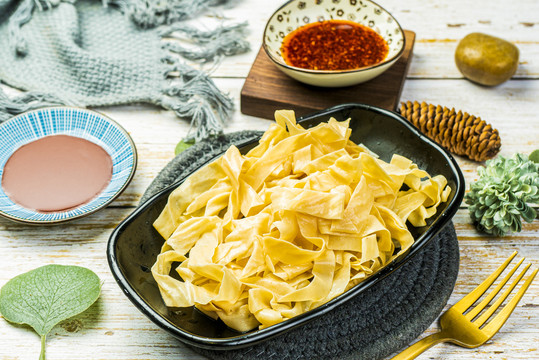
(503, 194)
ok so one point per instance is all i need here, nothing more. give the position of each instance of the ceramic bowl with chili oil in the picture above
(333, 43)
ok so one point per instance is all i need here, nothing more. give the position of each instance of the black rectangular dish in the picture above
(134, 245)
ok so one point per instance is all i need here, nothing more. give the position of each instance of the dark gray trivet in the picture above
(380, 321)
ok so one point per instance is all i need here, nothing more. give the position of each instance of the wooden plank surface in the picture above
(267, 88)
(438, 25)
(114, 329)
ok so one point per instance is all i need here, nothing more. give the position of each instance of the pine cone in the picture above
(458, 132)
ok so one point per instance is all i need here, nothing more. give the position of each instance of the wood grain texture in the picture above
(267, 88)
(113, 329)
(438, 26)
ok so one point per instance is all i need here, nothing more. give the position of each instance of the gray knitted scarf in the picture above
(87, 53)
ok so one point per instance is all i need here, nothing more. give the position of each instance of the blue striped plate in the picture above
(82, 123)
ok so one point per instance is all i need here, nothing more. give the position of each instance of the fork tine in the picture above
(495, 324)
(476, 293)
(484, 317)
(478, 308)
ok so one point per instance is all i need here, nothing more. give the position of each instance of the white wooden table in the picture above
(114, 329)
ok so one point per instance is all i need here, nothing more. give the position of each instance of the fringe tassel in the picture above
(151, 13)
(21, 16)
(221, 41)
(195, 96)
(10, 107)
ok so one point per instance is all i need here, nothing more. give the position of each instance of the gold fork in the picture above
(467, 328)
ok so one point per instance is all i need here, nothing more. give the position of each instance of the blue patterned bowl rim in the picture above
(87, 124)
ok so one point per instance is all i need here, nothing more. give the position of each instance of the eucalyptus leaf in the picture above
(182, 146)
(45, 296)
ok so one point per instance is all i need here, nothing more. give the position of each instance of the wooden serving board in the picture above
(267, 89)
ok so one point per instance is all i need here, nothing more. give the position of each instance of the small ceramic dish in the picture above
(297, 13)
(134, 245)
(89, 125)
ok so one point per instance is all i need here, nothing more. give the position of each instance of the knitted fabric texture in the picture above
(87, 53)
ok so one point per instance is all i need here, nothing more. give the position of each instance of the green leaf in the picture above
(182, 146)
(45, 296)
(534, 156)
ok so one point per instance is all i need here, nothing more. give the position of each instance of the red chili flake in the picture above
(333, 45)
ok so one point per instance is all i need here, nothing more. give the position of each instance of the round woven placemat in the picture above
(374, 324)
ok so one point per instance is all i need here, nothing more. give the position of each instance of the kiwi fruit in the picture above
(486, 59)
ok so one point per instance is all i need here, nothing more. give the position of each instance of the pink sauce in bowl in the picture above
(56, 173)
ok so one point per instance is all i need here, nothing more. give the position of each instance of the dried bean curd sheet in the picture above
(301, 218)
